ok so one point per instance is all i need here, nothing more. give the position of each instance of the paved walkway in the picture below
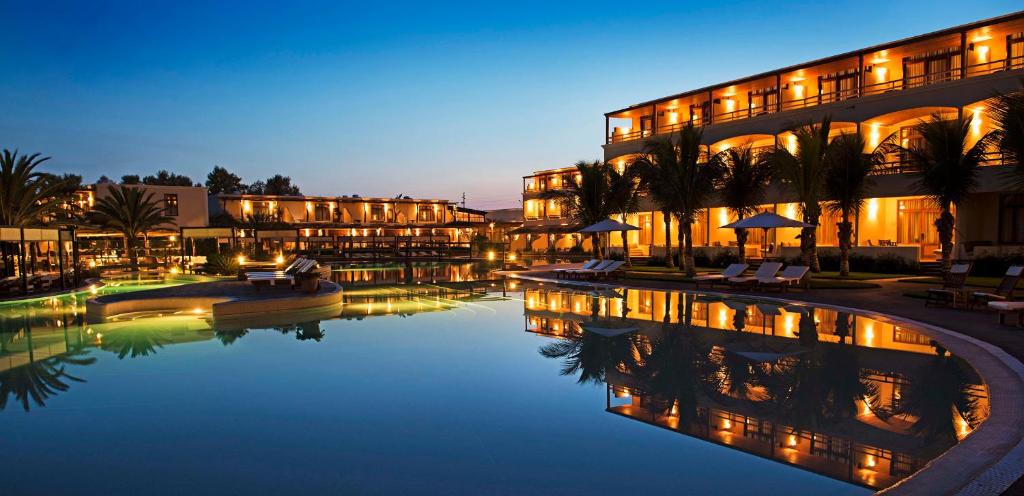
(1002, 433)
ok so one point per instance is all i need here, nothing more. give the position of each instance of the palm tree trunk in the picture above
(741, 244)
(845, 234)
(691, 270)
(625, 250)
(680, 237)
(596, 242)
(668, 240)
(133, 257)
(945, 224)
(809, 242)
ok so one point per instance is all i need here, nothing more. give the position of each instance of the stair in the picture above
(931, 268)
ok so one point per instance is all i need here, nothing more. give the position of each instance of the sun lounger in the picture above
(589, 264)
(580, 271)
(1004, 308)
(790, 276)
(952, 286)
(606, 272)
(1003, 292)
(767, 270)
(273, 278)
(733, 270)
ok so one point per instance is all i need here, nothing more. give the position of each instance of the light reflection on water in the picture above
(850, 397)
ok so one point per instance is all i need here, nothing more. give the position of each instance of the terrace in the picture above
(979, 50)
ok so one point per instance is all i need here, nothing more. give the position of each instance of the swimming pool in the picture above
(477, 387)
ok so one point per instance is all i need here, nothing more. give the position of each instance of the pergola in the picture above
(25, 261)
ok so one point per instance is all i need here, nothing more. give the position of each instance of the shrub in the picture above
(221, 264)
(995, 265)
(723, 258)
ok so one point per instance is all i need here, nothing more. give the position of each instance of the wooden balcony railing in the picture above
(899, 84)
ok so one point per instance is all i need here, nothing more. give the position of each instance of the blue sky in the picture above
(427, 99)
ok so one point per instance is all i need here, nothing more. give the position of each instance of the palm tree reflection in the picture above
(36, 382)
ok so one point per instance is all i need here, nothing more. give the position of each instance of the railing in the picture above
(896, 165)
(899, 84)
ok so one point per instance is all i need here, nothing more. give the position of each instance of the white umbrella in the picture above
(765, 221)
(609, 225)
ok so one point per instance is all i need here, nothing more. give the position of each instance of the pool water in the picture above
(481, 387)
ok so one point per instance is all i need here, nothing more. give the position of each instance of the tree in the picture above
(29, 197)
(257, 188)
(1008, 115)
(221, 181)
(624, 196)
(803, 172)
(685, 183)
(586, 200)
(655, 170)
(103, 179)
(742, 189)
(948, 168)
(130, 179)
(848, 181)
(132, 211)
(164, 178)
(280, 185)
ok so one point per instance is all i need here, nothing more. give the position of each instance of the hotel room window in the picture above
(377, 213)
(321, 212)
(426, 214)
(171, 205)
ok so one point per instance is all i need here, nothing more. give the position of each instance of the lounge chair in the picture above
(1003, 292)
(606, 272)
(581, 271)
(272, 278)
(790, 276)
(733, 270)
(767, 270)
(1004, 308)
(589, 264)
(952, 286)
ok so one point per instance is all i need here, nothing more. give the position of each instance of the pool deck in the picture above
(991, 459)
(222, 299)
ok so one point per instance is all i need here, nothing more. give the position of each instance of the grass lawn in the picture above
(981, 282)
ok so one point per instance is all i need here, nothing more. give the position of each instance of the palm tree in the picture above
(654, 168)
(585, 201)
(592, 355)
(1008, 114)
(685, 184)
(803, 172)
(26, 196)
(132, 212)
(848, 181)
(948, 168)
(742, 188)
(624, 196)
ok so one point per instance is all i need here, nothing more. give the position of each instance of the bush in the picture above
(995, 265)
(221, 264)
(885, 263)
(723, 258)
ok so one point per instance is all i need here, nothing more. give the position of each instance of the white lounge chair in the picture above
(790, 276)
(576, 272)
(1004, 308)
(606, 271)
(272, 278)
(733, 270)
(1003, 292)
(589, 264)
(767, 270)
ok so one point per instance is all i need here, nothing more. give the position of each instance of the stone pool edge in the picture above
(989, 460)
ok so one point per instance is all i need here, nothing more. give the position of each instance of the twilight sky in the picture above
(427, 99)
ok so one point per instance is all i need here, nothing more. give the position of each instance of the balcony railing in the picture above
(900, 84)
(897, 165)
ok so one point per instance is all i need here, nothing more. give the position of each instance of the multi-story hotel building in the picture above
(876, 91)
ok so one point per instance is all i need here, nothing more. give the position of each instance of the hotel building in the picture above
(876, 92)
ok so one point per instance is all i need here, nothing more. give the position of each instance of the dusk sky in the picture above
(429, 99)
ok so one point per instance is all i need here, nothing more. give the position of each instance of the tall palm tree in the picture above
(742, 188)
(654, 167)
(803, 172)
(685, 183)
(1007, 112)
(27, 196)
(948, 168)
(624, 196)
(131, 211)
(848, 182)
(585, 201)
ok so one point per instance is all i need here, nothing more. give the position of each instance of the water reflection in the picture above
(854, 398)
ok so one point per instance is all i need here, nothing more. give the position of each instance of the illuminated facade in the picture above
(876, 92)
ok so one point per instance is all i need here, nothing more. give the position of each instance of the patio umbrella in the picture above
(608, 226)
(765, 221)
